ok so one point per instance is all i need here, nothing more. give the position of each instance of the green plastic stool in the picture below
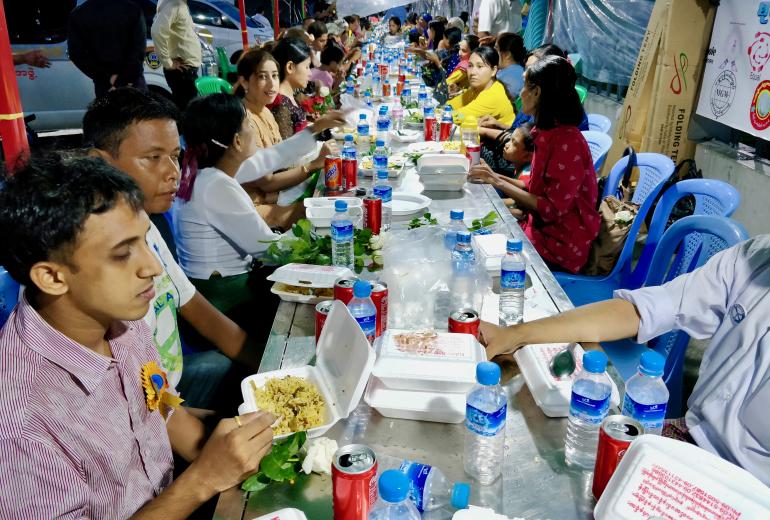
(210, 85)
(225, 67)
(582, 93)
(517, 104)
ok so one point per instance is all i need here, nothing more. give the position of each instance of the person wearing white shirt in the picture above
(726, 300)
(497, 17)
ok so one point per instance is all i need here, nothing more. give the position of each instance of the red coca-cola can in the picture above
(333, 173)
(386, 89)
(473, 153)
(349, 173)
(401, 77)
(354, 482)
(399, 88)
(373, 214)
(322, 311)
(343, 290)
(444, 130)
(616, 434)
(380, 298)
(430, 128)
(383, 71)
(464, 321)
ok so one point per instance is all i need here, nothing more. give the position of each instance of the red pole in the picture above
(12, 131)
(276, 29)
(244, 31)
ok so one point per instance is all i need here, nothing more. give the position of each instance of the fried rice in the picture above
(295, 400)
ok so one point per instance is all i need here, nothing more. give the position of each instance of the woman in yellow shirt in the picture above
(486, 95)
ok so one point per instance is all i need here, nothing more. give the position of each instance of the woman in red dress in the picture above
(558, 205)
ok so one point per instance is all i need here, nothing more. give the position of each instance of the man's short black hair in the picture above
(317, 29)
(109, 117)
(45, 204)
(332, 53)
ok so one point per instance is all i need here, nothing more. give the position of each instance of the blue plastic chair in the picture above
(9, 295)
(654, 170)
(599, 143)
(688, 244)
(712, 197)
(599, 123)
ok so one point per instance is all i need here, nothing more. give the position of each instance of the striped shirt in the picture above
(76, 437)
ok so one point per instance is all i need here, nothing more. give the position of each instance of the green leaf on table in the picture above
(256, 482)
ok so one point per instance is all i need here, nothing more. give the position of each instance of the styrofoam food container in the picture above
(288, 513)
(319, 202)
(344, 363)
(552, 395)
(491, 249)
(443, 164)
(449, 368)
(306, 275)
(443, 407)
(321, 216)
(673, 476)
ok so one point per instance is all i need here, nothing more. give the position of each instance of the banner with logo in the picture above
(736, 81)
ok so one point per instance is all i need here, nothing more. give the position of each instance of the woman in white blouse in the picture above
(218, 230)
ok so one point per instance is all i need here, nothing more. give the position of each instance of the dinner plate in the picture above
(426, 147)
(409, 204)
(406, 136)
(398, 160)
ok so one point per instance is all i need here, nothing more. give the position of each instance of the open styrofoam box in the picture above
(288, 513)
(451, 367)
(491, 249)
(321, 216)
(308, 275)
(443, 172)
(661, 477)
(344, 363)
(552, 394)
(443, 407)
(324, 202)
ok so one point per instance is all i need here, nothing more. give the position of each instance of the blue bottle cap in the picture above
(428, 111)
(487, 373)
(362, 289)
(447, 108)
(383, 110)
(456, 214)
(380, 142)
(595, 361)
(461, 493)
(382, 174)
(513, 245)
(394, 486)
(464, 237)
(361, 117)
(340, 205)
(651, 363)
(348, 138)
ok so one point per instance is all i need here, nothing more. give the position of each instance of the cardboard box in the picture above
(665, 82)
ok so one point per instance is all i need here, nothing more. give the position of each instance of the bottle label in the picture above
(650, 415)
(380, 162)
(383, 192)
(383, 125)
(342, 232)
(592, 411)
(362, 130)
(483, 423)
(368, 325)
(418, 476)
(512, 279)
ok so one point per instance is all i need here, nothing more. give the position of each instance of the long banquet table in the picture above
(535, 483)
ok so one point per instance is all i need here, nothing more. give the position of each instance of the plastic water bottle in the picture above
(445, 127)
(383, 125)
(398, 115)
(485, 412)
(349, 148)
(589, 406)
(380, 156)
(429, 488)
(394, 503)
(376, 86)
(384, 191)
(646, 393)
(364, 142)
(422, 97)
(406, 96)
(513, 274)
(362, 308)
(456, 224)
(350, 86)
(368, 98)
(462, 285)
(342, 236)
(463, 256)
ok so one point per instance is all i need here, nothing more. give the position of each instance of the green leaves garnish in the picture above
(426, 220)
(282, 464)
(490, 219)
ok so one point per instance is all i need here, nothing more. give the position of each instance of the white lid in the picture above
(288, 513)
(663, 477)
(378, 395)
(491, 249)
(308, 275)
(319, 202)
(443, 164)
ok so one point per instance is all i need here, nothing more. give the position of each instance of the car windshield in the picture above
(230, 10)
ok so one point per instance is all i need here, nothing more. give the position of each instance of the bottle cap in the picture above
(340, 205)
(488, 373)
(361, 117)
(456, 214)
(447, 108)
(595, 361)
(348, 138)
(428, 111)
(652, 363)
(380, 142)
(461, 493)
(513, 246)
(383, 110)
(362, 289)
(382, 174)
(394, 486)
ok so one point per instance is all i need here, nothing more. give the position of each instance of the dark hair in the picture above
(454, 35)
(332, 53)
(514, 44)
(45, 204)
(317, 29)
(464, 17)
(414, 36)
(108, 118)
(209, 126)
(473, 41)
(365, 23)
(438, 30)
(290, 50)
(559, 102)
(412, 18)
(249, 63)
(549, 49)
(442, 20)
(396, 20)
(526, 130)
(488, 55)
(352, 18)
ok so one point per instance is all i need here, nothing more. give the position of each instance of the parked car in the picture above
(58, 96)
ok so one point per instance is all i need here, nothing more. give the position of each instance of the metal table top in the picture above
(536, 483)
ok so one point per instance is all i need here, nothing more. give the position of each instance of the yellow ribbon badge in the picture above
(156, 390)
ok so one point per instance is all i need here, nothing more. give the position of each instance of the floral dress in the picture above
(291, 118)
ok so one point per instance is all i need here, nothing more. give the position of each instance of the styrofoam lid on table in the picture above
(443, 164)
(661, 477)
(284, 514)
(448, 405)
(491, 249)
(322, 202)
(308, 275)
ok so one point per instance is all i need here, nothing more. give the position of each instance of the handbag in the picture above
(617, 214)
(685, 206)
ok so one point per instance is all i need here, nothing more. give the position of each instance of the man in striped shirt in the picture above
(81, 433)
